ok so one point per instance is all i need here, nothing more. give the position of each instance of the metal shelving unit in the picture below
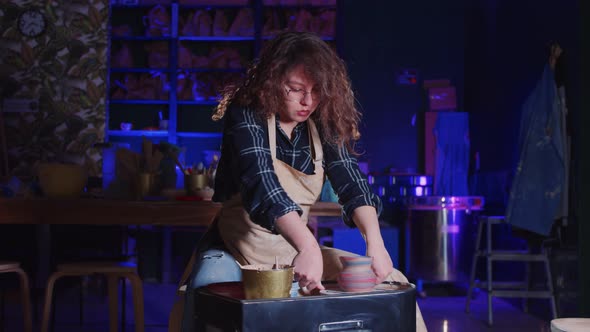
(187, 118)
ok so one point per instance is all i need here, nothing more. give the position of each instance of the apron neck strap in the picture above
(272, 136)
(314, 138)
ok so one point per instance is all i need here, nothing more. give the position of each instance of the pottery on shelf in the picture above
(357, 274)
(62, 180)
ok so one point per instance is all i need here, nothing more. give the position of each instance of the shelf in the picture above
(138, 133)
(297, 7)
(213, 6)
(164, 70)
(215, 38)
(326, 38)
(134, 6)
(162, 133)
(199, 135)
(198, 102)
(215, 70)
(139, 70)
(139, 102)
(141, 38)
(165, 48)
(162, 102)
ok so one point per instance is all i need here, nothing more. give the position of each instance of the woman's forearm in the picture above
(294, 230)
(365, 218)
(308, 262)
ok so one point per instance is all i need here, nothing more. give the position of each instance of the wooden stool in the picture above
(175, 317)
(113, 271)
(14, 267)
(570, 325)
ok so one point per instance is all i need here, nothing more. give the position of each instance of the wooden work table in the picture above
(97, 211)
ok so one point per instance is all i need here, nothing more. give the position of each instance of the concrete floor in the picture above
(441, 313)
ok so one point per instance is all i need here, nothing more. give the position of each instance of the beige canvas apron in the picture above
(251, 243)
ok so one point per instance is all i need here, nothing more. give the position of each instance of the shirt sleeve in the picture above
(263, 197)
(349, 183)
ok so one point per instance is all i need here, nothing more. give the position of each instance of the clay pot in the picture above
(194, 182)
(62, 180)
(357, 274)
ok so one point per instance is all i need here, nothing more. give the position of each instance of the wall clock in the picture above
(31, 23)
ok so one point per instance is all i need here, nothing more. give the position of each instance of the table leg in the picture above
(166, 254)
(43, 255)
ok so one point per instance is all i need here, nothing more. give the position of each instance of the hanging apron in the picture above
(251, 243)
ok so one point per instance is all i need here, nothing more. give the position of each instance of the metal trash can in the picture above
(440, 237)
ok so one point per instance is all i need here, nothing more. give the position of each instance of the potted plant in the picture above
(63, 141)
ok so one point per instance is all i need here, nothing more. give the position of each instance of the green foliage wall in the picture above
(64, 68)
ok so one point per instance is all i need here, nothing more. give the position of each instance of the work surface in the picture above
(95, 211)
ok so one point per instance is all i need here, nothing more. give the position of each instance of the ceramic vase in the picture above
(357, 274)
(62, 180)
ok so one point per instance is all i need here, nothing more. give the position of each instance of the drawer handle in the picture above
(341, 326)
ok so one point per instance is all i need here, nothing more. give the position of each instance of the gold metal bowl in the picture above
(261, 281)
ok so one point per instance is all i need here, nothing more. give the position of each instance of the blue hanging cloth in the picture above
(452, 154)
(539, 178)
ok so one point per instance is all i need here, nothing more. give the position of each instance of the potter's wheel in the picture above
(333, 289)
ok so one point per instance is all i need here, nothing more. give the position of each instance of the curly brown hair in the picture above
(262, 88)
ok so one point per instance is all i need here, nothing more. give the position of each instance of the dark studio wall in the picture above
(505, 54)
(584, 161)
(379, 38)
(492, 50)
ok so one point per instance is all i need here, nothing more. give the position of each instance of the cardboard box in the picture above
(442, 98)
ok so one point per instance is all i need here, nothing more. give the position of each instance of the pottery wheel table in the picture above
(391, 307)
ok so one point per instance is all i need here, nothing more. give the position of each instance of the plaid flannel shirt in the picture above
(246, 167)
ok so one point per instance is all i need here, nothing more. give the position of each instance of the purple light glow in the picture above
(392, 180)
(422, 181)
(451, 229)
(419, 191)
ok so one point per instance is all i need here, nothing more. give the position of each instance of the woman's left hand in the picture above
(365, 217)
(382, 263)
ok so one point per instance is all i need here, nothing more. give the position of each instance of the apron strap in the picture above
(314, 138)
(272, 136)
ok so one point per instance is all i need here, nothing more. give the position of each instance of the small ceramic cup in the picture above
(194, 182)
(163, 125)
(356, 274)
(146, 184)
(126, 126)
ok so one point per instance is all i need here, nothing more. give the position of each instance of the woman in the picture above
(272, 169)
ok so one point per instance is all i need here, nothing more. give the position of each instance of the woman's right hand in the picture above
(309, 268)
(308, 262)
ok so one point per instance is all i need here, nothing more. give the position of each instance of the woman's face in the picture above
(300, 96)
